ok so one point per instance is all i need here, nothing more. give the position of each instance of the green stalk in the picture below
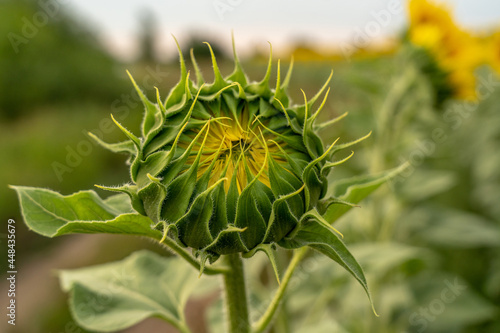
(236, 300)
(266, 319)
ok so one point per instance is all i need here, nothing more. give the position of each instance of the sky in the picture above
(255, 22)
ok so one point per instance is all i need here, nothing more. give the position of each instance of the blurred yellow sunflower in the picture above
(494, 51)
(456, 52)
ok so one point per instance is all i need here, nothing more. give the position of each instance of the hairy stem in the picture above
(236, 302)
(263, 323)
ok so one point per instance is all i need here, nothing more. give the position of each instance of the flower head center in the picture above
(236, 149)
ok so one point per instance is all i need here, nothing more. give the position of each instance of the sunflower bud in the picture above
(229, 166)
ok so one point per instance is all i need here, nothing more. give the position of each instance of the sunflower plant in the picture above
(446, 52)
(220, 171)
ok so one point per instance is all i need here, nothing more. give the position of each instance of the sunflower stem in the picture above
(236, 300)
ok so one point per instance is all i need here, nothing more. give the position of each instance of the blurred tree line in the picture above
(48, 57)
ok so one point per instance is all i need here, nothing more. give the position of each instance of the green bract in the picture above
(230, 166)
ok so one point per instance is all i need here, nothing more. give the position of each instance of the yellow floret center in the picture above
(235, 147)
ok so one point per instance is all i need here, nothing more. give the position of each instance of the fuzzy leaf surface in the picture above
(52, 214)
(324, 240)
(126, 292)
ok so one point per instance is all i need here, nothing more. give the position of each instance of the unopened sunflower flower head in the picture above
(229, 166)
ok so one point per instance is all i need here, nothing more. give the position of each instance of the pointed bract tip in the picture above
(235, 56)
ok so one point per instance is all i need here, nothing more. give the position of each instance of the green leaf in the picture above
(353, 190)
(45, 211)
(323, 239)
(114, 296)
(52, 214)
(126, 224)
